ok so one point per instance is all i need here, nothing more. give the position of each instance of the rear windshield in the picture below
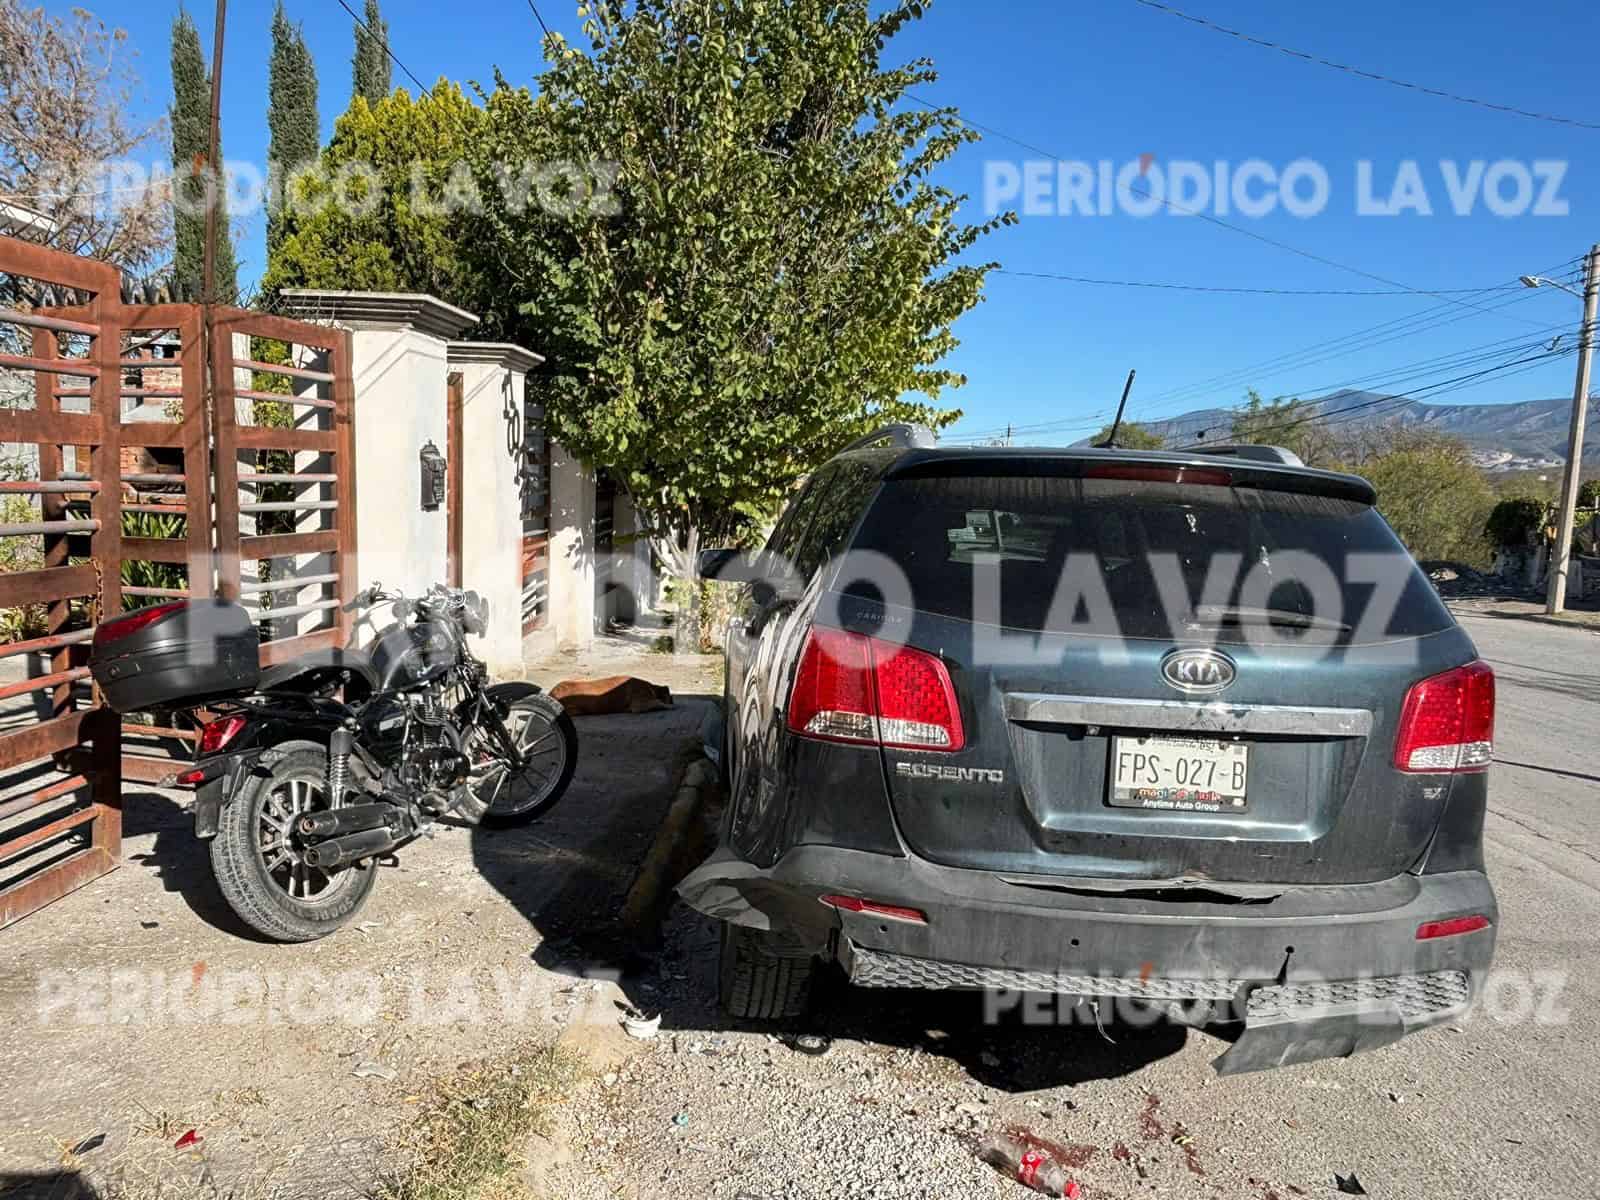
(1056, 554)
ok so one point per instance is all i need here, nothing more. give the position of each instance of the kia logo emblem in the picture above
(1197, 671)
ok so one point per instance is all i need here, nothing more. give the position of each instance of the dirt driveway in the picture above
(137, 1009)
(1501, 1106)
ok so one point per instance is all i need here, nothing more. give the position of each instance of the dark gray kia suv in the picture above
(1177, 730)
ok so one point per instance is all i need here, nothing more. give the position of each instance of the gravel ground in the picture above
(1499, 1107)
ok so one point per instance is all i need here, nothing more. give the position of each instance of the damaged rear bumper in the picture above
(1313, 972)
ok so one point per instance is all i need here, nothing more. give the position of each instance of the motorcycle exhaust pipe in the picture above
(356, 818)
(352, 846)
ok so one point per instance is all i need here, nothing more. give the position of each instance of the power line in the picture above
(1246, 291)
(1375, 335)
(1420, 369)
(538, 18)
(384, 42)
(1384, 332)
(1201, 214)
(1357, 71)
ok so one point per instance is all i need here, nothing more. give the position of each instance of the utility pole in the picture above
(208, 260)
(1556, 598)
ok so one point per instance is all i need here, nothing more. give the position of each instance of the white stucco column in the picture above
(572, 602)
(493, 379)
(398, 365)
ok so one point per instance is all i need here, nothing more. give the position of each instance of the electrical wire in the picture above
(384, 42)
(1243, 291)
(1375, 76)
(538, 18)
(1166, 201)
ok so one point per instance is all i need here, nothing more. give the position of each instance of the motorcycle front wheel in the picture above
(256, 859)
(498, 793)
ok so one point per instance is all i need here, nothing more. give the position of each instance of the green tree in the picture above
(391, 230)
(370, 66)
(1285, 422)
(1436, 498)
(1589, 494)
(195, 177)
(1130, 436)
(293, 128)
(750, 265)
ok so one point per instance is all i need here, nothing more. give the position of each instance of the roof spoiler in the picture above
(1266, 454)
(901, 436)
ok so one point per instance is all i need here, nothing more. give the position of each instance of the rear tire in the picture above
(760, 978)
(239, 859)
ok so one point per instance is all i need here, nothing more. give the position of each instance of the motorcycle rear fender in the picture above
(223, 774)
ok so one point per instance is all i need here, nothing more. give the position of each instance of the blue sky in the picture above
(1113, 80)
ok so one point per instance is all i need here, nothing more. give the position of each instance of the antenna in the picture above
(1111, 438)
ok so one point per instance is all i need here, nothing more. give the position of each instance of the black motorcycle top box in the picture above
(177, 655)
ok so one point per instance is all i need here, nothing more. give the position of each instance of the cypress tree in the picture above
(191, 148)
(292, 122)
(371, 62)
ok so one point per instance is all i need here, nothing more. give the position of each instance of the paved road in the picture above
(1498, 1108)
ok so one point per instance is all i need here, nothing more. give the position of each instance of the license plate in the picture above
(1175, 774)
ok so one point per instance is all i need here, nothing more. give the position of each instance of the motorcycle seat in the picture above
(321, 667)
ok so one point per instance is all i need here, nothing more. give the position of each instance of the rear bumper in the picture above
(1313, 971)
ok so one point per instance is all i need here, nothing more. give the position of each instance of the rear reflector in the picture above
(1447, 722)
(111, 631)
(873, 908)
(214, 735)
(190, 778)
(852, 688)
(1437, 929)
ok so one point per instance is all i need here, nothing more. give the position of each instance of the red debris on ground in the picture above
(1072, 1157)
(1149, 1127)
(187, 1140)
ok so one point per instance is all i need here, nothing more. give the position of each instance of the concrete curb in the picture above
(651, 892)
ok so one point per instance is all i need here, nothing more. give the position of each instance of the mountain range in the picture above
(1522, 435)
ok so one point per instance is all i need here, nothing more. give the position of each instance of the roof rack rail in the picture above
(900, 436)
(1268, 454)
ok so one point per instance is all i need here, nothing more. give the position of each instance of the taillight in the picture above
(1447, 722)
(111, 631)
(853, 688)
(214, 735)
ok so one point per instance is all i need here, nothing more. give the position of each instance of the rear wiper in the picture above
(1239, 614)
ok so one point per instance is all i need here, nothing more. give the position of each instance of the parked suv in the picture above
(1156, 728)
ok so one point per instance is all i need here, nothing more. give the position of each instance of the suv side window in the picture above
(786, 533)
(840, 493)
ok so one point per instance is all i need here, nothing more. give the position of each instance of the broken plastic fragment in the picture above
(187, 1140)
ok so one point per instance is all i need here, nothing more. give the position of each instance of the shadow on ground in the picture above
(46, 1185)
(569, 872)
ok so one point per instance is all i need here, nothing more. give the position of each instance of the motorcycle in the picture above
(331, 763)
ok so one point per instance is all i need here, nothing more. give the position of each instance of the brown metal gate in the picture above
(298, 481)
(146, 495)
(61, 812)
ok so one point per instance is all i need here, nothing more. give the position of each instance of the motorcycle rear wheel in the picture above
(256, 864)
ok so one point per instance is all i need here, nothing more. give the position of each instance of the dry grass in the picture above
(469, 1141)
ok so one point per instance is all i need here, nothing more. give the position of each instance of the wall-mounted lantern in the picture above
(433, 469)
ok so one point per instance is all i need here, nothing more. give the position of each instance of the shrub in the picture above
(1516, 521)
(1435, 497)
